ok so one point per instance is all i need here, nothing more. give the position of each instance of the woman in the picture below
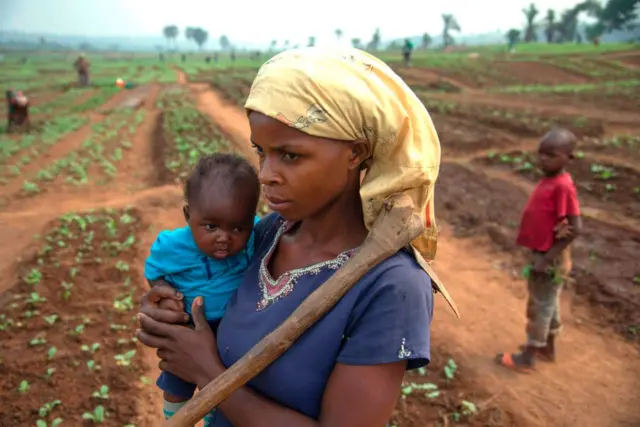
(318, 117)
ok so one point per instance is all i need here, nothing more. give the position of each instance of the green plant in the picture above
(49, 373)
(51, 352)
(90, 349)
(34, 277)
(125, 359)
(39, 340)
(30, 187)
(97, 416)
(23, 387)
(54, 423)
(102, 393)
(52, 319)
(48, 407)
(450, 370)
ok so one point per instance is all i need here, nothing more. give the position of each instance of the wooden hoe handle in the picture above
(395, 228)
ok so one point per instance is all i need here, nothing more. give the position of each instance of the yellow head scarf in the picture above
(349, 95)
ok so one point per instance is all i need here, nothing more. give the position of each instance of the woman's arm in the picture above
(356, 396)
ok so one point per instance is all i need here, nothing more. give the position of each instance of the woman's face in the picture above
(303, 175)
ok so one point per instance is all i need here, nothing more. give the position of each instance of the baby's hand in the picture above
(170, 304)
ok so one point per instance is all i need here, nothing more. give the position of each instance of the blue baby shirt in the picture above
(175, 258)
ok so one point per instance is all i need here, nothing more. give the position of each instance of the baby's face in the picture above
(221, 226)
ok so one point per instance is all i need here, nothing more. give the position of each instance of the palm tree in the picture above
(513, 36)
(312, 41)
(274, 43)
(450, 24)
(225, 44)
(356, 43)
(286, 44)
(200, 36)
(338, 32)
(171, 33)
(530, 14)
(550, 26)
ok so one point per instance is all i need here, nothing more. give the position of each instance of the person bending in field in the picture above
(208, 256)
(17, 109)
(550, 222)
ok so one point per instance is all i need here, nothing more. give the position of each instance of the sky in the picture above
(260, 21)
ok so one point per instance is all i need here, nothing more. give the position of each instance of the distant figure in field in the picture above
(17, 109)
(233, 56)
(596, 41)
(550, 222)
(407, 49)
(82, 68)
(207, 59)
(184, 57)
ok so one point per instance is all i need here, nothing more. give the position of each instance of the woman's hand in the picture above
(164, 304)
(191, 354)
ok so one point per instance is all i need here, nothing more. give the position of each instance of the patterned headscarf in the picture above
(349, 95)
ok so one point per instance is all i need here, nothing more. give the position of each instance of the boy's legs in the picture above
(543, 312)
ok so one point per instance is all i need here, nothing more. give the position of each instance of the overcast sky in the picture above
(264, 20)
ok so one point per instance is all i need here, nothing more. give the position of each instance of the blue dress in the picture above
(384, 318)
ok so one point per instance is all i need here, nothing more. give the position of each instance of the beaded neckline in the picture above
(272, 289)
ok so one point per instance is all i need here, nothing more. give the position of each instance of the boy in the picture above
(550, 222)
(209, 256)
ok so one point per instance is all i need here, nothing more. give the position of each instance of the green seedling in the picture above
(97, 416)
(48, 407)
(117, 327)
(54, 423)
(122, 266)
(90, 349)
(78, 330)
(93, 366)
(52, 319)
(125, 359)
(450, 370)
(431, 389)
(102, 393)
(30, 187)
(35, 298)
(34, 277)
(49, 373)
(66, 290)
(39, 340)
(51, 352)
(124, 304)
(23, 387)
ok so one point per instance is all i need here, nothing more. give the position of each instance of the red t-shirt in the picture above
(552, 200)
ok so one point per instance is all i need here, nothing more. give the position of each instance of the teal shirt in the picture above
(175, 258)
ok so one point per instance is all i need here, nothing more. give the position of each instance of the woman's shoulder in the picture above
(400, 270)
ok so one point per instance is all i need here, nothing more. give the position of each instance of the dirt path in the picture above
(595, 380)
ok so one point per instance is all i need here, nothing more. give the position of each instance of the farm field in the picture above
(85, 192)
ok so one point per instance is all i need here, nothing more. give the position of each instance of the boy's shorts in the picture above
(177, 386)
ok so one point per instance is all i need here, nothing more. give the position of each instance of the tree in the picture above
(426, 41)
(374, 44)
(450, 24)
(513, 36)
(171, 33)
(550, 25)
(200, 36)
(568, 25)
(225, 44)
(312, 41)
(286, 44)
(620, 14)
(338, 33)
(530, 14)
(356, 43)
(189, 33)
(274, 43)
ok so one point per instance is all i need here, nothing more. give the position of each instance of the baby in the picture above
(209, 256)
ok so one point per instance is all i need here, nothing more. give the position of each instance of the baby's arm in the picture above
(155, 272)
